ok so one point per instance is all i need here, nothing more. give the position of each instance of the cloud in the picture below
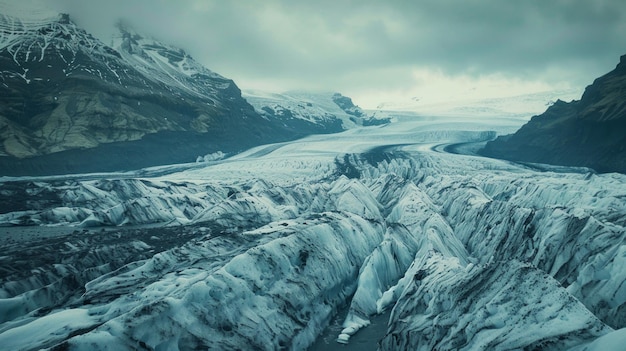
(358, 45)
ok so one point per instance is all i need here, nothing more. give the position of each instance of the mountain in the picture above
(374, 232)
(588, 132)
(69, 103)
(313, 112)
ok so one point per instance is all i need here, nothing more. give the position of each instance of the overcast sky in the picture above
(377, 51)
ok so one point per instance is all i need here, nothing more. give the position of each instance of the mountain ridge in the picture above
(79, 93)
(586, 132)
(67, 99)
(322, 112)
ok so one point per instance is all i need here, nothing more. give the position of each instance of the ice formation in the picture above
(262, 249)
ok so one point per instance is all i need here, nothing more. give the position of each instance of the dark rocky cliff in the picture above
(590, 132)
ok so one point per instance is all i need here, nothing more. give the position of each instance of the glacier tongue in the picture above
(263, 249)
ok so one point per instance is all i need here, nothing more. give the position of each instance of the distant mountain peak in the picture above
(14, 29)
(346, 104)
(167, 64)
(318, 112)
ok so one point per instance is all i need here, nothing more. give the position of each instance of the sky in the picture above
(381, 50)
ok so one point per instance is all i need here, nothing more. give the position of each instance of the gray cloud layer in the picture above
(345, 44)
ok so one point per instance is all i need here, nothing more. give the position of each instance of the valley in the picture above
(147, 203)
(263, 249)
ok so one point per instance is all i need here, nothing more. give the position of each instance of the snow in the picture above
(41, 331)
(611, 341)
(322, 101)
(29, 36)
(466, 252)
(317, 108)
(167, 64)
(17, 17)
(32, 36)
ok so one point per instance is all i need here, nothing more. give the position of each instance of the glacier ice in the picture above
(501, 305)
(262, 249)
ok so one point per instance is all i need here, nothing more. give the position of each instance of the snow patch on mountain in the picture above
(324, 109)
(18, 16)
(29, 41)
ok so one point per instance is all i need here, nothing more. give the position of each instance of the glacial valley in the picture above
(261, 250)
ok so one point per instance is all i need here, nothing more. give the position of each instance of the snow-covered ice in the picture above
(261, 250)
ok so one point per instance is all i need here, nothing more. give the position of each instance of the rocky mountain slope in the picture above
(588, 132)
(70, 103)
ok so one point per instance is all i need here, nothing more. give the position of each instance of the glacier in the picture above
(261, 250)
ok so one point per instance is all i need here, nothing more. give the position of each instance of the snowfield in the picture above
(263, 249)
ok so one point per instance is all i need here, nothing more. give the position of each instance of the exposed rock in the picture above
(588, 132)
(67, 99)
(346, 104)
(311, 112)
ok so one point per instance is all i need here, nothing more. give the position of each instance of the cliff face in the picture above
(70, 103)
(590, 132)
